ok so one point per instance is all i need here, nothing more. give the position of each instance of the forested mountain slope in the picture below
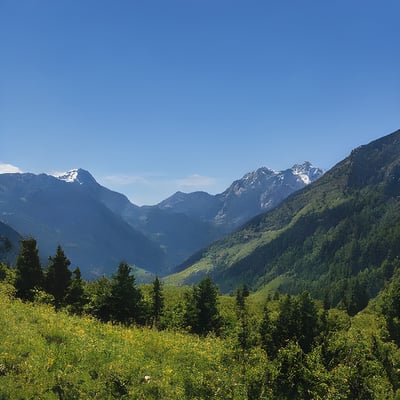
(338, 237)
(9, 243)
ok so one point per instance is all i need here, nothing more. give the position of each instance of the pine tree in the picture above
(29, 273)
(308, 327)
(391, 307)
(126, 298)
(298, 321)
(58, 277)
(75, 298)
(267, 334)
(202, 314)
(157, 302)
(242, 314)
(287, 322)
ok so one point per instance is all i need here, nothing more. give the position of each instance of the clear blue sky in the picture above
(157, 96)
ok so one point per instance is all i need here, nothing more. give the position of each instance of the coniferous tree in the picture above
(267, 333)
(126, 298)
(241, 295)
(355, 298)
(298, 320)
(391, 307)
(243, 319)
(157, 302)
(287, 321)
(29, 273)
(75, 298)
(308, 327)
(202, 314)
(58, 277)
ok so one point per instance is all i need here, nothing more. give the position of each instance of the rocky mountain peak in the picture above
(78, 176)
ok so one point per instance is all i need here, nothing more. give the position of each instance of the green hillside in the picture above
(292, 349)
(339, 235)
(48, 355)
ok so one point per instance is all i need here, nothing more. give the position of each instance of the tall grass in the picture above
(49, 355)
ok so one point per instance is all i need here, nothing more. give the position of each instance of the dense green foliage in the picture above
(58, 277)
(202, 315)
(292, 349)
(29, 273)
(191, 341)
(157, 304)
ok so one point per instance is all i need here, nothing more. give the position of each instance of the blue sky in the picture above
(157, 96)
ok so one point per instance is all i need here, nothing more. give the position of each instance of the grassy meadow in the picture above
(49, 355)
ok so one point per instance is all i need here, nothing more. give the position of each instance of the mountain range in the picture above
(337, 237)
(98, 227)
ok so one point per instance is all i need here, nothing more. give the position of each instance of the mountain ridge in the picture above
(186, 222)
(56, 212)
(74, 210)
(339, 231)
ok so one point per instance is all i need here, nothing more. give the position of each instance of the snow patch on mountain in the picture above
(261, 190)
(79, 176)
(69, 176)
(307, 172)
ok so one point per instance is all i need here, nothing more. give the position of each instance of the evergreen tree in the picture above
(241, 295)
(355, 298)
(287, 322)
(29, 273)
(308, 327)
(157, 302)
(202, 314)
(391, 307)
(267, 333)
(126, 298)
(298, 320)
(242, 314)
(75, 298)
(99, 296)
(58, 277)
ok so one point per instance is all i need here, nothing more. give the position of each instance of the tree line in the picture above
(117, 299)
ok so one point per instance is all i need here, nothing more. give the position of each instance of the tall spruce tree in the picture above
(126, 298)
(202, 314)
(267, 333)
(75, 298)
(242, 314)
(157, 302)
(29, 273)
(309, 322)
(58, 277)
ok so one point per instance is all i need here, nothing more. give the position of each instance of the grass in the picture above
(48, 355)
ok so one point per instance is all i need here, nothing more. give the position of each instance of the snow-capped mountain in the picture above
(56, 212)
(78, 176)
(98, 227)
(307, 172)
(262, 190)
(256, 192)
